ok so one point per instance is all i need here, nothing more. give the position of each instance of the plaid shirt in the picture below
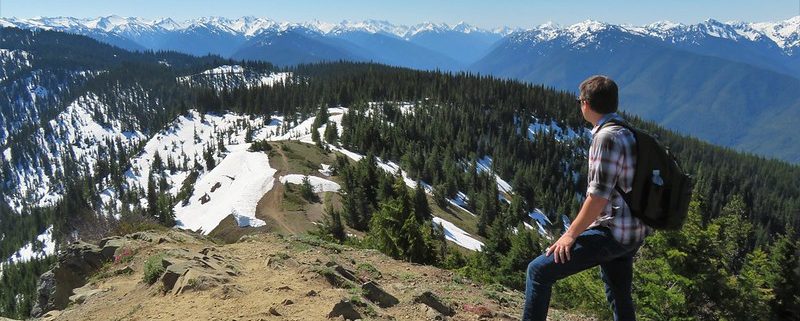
(612, 162)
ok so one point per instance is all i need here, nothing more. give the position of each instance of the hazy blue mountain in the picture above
(733, 41)
(722, 101)
(294, 46)
(201, 40)
(392, 50)
(462, 42)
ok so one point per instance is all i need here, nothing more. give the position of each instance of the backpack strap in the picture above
(625, 196)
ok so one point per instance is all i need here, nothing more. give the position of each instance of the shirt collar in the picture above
(603, 120)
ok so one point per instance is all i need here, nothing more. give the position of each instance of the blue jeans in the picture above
(595, 246)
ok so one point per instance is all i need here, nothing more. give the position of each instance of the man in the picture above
(613, 235)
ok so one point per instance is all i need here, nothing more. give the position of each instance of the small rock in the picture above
(433, 314)
(83, 294)
(311, 293)
(346, 310)
(173, 272)
(287, 302)
(285, 288)
(431, 300)
(347, 274)
(374, 293)
(124, 270)
(229, 291)
(274, 312)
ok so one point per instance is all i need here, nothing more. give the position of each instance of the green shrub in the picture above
(153, 268)
(260, 146)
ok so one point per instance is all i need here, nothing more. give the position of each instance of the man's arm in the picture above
(591, 209)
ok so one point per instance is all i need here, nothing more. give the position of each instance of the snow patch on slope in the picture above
(456, 235)
(42, 246)
(233, 187)
(319, 184)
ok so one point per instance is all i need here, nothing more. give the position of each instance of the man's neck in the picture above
(595, 118)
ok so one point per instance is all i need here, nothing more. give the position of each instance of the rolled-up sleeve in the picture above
(605, 156)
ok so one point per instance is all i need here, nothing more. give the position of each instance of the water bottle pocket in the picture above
(655, 201)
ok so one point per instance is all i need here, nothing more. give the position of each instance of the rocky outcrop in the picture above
(74, 266)
(187, 271)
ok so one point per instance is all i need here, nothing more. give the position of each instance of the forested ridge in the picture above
(737, 257)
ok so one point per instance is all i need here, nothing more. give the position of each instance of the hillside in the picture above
(269, 277)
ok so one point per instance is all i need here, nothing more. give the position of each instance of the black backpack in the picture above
(661, 190)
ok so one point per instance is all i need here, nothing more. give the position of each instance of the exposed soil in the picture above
(282, 278)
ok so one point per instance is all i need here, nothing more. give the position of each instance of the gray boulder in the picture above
(75, 264)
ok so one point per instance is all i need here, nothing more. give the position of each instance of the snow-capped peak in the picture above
(784, 33)
(587, 27)
(465, 28)
(245, 26)
(427, 27)
(167, 24)
(370, 26)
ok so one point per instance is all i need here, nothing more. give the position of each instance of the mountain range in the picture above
(96, 140)
(702, 79)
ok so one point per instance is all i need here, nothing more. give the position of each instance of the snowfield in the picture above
(457, 235)
(233, 187)
(320, 184)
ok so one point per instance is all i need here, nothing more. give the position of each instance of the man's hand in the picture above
(561, 248)
(590, 210)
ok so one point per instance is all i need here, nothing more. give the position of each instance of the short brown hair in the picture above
(602, 94)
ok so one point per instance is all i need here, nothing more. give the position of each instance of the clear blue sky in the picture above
(522, 13)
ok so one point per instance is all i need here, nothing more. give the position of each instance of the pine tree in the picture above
(331, 133)
(152, 196)
(421, 208)
(332, 225)
(785, 277)
(384, 229)
(440, 196)
(414, 244)
(307, 190)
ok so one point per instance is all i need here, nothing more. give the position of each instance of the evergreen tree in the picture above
(785, 277)
(152, 196)
(332, 224)
(421, 208)
(307, 190)
(331, 133)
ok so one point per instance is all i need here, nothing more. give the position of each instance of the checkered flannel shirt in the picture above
(612, 162)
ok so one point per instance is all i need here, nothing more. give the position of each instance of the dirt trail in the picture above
(269, 206)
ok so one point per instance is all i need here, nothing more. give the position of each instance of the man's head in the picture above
(600, 93)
